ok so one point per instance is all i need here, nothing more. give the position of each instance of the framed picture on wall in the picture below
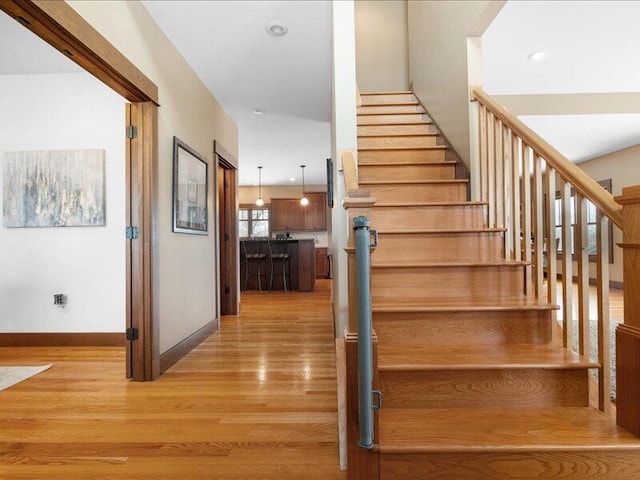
(190, 190)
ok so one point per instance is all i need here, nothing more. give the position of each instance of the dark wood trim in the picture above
(108, 339)
(227, 224)
(128, 286)
(628, 378)
(225, 158)
(362, 464)
(65, 30)
(169, 358)
(144, 317)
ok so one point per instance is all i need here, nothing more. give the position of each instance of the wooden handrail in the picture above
(350, 170)
(582, 182)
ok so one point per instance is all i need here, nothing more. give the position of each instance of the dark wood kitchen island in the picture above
(301, 272)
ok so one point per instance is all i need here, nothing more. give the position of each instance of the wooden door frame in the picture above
(63, 28)
(228, 258)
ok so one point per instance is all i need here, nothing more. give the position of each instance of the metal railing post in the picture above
(365, 341)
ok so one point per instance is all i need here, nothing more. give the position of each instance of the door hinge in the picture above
(132, 131)
(226, 237)
(227, 290)
(132, 233)
(132, 334)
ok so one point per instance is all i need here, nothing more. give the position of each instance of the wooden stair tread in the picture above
(408, 164)
(392, 104)
(393, 92)
(391, 149)
(410, 231)
(430, 204)
(478, 357)
(408, 122)
(476, 305)
(485, 430)
(421, 182)
(383, 135)
(366, 114)
(452, 264)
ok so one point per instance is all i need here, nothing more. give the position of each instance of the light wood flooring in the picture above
(255, 401)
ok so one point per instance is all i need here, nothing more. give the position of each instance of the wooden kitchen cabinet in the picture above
(279, 214)
(322, 263)
(295, 215)
(288, 215)
(316, 214)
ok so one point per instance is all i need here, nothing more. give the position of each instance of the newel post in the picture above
(628, 334)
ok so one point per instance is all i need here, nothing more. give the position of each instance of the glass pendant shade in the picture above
(259, 201)
(304, 201)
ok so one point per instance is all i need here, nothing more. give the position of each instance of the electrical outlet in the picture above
(60, 300)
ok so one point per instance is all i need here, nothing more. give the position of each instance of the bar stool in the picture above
(278, 251)
(252, 251)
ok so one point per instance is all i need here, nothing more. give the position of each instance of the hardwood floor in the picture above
(255, 401)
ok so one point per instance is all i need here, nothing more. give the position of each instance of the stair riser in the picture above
(408, 192)
(495, 388)
(432, 217)
(373, 157)
(386, 109)
(447, 283)
(391, 119)
(525, 465)
(395, 129)
(436, 247)
(398, 142)
(476, 327)
(388, 98)
(407, 172)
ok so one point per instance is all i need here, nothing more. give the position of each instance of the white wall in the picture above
(63, 112)
(185, 282)
(343, 137)
(382, 51)
(439, 63)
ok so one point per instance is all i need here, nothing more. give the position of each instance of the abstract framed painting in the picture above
(190, 190)
(53, 188)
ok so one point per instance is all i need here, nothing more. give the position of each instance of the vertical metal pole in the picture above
(365, 349)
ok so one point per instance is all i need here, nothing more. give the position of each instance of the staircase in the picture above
(473, 387)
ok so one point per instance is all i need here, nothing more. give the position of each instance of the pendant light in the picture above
(259, 201)
(304, 201)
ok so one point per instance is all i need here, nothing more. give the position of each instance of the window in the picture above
(591, 224)
(253, 222)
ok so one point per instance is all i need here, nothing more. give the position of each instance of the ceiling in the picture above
(288, 78)
(592, 48)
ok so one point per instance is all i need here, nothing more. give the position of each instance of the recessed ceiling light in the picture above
(276, 28)
(539, 55)
(292, 179)
(258, 111)
(255, 184)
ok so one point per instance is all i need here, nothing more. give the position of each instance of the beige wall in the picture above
(382, 51)
(623, 168)
(186, 271)
(248, 195)
(438, 63)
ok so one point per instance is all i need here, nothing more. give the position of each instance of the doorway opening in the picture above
(61, 27)
(226, 176)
